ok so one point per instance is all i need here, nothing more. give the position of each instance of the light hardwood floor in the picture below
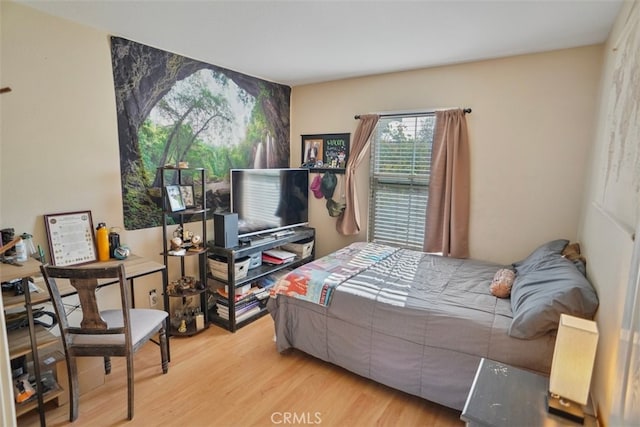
(217, 378)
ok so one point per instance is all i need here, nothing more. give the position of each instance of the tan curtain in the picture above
(349, 222)
(447, 223)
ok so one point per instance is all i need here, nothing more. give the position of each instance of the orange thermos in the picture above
(102, 242)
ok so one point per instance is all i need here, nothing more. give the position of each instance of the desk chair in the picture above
(119, 333)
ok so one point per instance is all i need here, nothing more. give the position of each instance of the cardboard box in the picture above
(90, 375)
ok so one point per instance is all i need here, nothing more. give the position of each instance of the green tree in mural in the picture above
(143, 76)
(190, 109)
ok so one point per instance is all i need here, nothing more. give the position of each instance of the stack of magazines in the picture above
(277, 256)
(246, 305)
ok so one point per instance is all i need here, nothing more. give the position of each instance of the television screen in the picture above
(268, 200)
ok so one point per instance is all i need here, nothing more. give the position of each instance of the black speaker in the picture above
(225, 229)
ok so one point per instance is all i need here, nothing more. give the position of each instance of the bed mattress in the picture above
(416, 322)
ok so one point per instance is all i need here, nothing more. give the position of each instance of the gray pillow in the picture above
(540, 295)
(551, 249)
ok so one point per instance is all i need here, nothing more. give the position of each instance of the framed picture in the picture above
(325, 151)
(186, 191)
(174, 196)
(71, 238)
(311, 149)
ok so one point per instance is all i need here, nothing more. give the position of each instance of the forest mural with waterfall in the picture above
(174, 109)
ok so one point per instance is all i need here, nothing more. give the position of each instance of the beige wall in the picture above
(606, 241)
(530, 132)
(59, 138)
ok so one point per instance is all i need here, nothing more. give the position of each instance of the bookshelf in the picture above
(243, 302)
(32, 341)
(191, 212)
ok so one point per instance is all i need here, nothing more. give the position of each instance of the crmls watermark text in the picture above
(296, 418)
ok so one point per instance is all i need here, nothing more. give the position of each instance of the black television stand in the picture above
(283, 233)
(231, 310)
(260, 239)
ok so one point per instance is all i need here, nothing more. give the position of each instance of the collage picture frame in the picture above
(186, 191)
(326, 151)
(174, 197)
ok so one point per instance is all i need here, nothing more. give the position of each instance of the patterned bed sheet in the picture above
(316, 281)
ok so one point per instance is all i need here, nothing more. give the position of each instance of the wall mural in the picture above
(175, 109)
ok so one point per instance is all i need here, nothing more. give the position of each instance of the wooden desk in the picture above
(134, 266)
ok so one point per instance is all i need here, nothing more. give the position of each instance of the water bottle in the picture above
(102, 242)
(21, 251)
(28, 242)
(114, 242)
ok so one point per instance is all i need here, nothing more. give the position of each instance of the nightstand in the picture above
(502, 395)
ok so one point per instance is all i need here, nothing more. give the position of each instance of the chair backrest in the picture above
(85, 281)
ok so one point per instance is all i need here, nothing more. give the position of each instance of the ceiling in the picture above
(305, 41)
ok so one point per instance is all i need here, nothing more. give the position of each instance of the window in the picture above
(399, 182)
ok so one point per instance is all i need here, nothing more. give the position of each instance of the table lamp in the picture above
(571, 368)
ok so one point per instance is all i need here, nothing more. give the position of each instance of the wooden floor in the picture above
(217, 378)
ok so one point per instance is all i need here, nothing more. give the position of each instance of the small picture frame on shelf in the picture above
(174, 196)
(186, 191)
(328, 151)
(311, 149)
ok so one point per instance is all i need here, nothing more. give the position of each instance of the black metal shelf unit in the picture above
(232, 255)
(194, 178)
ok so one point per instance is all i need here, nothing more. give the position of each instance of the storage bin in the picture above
(218, 267)
(255, 260)
(302, 248)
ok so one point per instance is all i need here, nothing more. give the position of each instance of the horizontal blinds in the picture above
(400, 169)
(262, 209)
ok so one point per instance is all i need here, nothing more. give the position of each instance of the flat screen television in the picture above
(269, 200)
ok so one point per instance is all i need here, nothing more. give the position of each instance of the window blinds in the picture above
(399, 181)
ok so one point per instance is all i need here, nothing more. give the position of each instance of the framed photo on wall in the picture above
(174, 196)
(71, 238)
(326, 151)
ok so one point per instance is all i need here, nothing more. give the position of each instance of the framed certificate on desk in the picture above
(71, 239)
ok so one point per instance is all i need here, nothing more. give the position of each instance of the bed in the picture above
(420, 323)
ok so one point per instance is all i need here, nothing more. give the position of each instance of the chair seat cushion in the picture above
(144, 322)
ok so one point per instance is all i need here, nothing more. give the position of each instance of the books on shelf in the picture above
(276, 261)
(277, 257)
(245, 305)
(225, 314)
(279, 254)
(248, 314)
(239, 304)
(261, 293)
(238, 296)
(253, 308)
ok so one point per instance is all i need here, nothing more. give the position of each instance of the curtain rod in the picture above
(424, 113)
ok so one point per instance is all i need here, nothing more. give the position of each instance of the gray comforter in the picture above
(415, 322)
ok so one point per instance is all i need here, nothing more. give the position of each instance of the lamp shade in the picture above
(573, 357)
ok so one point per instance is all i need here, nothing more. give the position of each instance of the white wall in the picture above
(606, 241)
(530, 132)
